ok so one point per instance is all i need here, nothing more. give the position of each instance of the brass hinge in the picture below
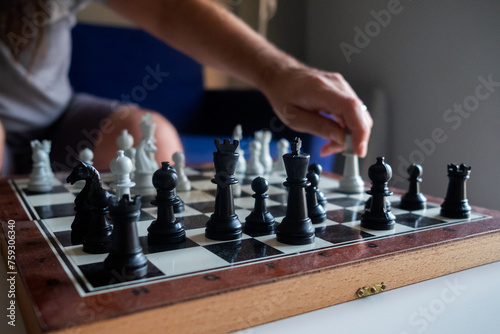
(371, 289)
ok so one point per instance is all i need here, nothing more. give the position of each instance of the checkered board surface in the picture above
(54, 213)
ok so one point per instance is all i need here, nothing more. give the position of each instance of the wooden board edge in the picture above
(23, 301)
(284, 298)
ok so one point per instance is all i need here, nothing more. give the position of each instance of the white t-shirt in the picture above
(33, 98)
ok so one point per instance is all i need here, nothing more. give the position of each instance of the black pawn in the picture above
(98, 238)
(315, 210)
(224, 224)
(378, 216)
(296, 227)
(413, 199)
(126, 260)
(166, 229)
(259, 220)
(455, 204)
(318, 169)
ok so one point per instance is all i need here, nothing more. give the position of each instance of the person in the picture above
(36, 99)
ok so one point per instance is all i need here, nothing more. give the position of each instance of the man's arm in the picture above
(300, 96)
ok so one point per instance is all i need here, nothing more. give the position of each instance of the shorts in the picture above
(76, 129)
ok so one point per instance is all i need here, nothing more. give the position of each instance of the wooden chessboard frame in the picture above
(244, 296)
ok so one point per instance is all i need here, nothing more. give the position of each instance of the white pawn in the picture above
(121, 167)
(351, 182)
(86, 155)
(241, 164)
(254, 166)
(183, 183)
(283, 148)
(40, 181)
(264, 137)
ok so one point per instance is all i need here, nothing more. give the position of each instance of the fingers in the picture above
(313, 122)
(341, 101)
(330, 148)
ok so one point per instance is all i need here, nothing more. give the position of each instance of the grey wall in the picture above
(428, 58)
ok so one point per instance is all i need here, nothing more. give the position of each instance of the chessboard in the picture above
(202, 285)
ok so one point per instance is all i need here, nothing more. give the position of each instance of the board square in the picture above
(204, 207)
(187, 260)
(98, 276)
(150, 249)
(338, 233)
(56, 210)
(194, 222)
(58, 189)
(242, 250)
(417, 221)
(277, 210)
(64, 238)
(343, 215)
(345, 201)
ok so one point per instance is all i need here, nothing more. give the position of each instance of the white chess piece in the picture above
(121, 167)
(283, 148)
(144, 168)
(351, 182)
(47, 147)
(264, 137)
(183, 183)
(148, 133)
(86, 155)
(125, 143)
(40, 181)
(254, 166)
(241, 164)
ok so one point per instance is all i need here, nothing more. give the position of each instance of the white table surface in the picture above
(463, 302)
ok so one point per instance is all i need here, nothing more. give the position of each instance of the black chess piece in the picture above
(224, 223)
(165, 229)
(259, 220)
(126, 260)
(296, 227)
(315, 210)
(318, 169)
(456, 204)
(178, 203)
(90, 225)
(378, 216)
(413, 199)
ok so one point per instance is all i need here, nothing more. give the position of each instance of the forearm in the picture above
(191, 27)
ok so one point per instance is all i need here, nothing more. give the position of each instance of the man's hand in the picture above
(320, 103)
